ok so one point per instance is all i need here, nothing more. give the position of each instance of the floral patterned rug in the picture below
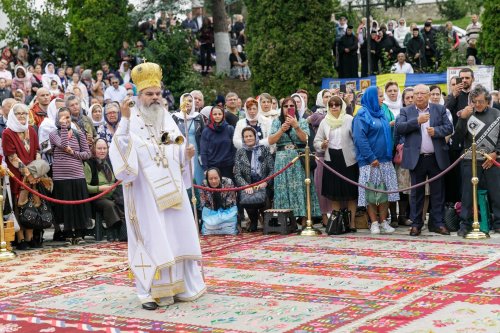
(272, 284)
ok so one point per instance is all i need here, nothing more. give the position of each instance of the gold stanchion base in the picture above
(309, 231)
(476, 235)
(7, 255)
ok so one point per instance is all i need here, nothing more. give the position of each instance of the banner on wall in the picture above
(403, 80)
(482, 75)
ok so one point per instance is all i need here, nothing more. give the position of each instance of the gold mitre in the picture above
(147, 75)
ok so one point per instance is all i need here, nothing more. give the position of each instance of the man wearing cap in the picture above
(150, 156)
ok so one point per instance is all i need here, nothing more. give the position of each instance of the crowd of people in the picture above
(57, 125)
(407, 49)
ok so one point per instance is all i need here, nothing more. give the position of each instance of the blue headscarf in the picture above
(370, 108)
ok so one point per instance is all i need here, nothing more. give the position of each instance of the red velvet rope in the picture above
(399, 189)
(210, 189)
(62, 202)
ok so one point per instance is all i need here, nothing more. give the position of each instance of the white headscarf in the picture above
(256, 118)
(12, 121)
(206, 111)
(396, 106)
(303, 106)
(319, 99)
(99, 122)
(48, 76)
(52, 109)
(125, 74)
(271, 114)
(192, 113)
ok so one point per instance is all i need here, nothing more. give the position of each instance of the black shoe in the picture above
(58, 236)
(149, 306)
(442, 230)
(464, 230)
(22, 245)
(352, 229)
(414, 231)
(404, 221)
(34, 244)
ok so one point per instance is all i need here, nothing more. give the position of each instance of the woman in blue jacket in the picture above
(373, 142)
(216, 146)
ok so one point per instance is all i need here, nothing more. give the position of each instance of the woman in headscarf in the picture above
(97, 115)
(50, 74)
(87, 80)
(253, 119)
(373, 142)
(214, 202)
(20, 146)
(21, 81)
(334, 139)
(191, 122)
(392, 107)
(301, 105)
(99, 177)
(112, 117)
(216, 146)
(62, 78)
(125, 71)
(403, 175)
(392, 99)
(22, 57)
(255, 163)
(70, 149)
(265, 107)
(289, 133)
(9, 57)
(315, 120)
(400, 33)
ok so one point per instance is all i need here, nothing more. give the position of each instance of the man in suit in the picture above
(425, 154)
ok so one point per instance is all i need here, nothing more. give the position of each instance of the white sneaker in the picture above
(386, 228)
(374, 229)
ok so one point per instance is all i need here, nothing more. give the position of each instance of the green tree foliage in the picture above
(97, 30)
(173, 52)
(489, 43)
(45, 26)
(289, 45)
(452, 9)
(18, 12)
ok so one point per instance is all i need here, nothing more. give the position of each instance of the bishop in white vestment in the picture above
(148, 154)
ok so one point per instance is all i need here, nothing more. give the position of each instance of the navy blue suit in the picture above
(422, 166)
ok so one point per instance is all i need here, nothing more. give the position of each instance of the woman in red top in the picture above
(20, 146)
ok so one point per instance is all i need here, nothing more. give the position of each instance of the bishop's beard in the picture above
(153, 115)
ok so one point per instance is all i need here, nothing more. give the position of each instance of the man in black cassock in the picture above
(348, 55)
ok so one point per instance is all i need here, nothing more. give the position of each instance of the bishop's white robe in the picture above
(163, 247)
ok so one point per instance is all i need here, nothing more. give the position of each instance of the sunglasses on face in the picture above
(289, 106)
(334, 104)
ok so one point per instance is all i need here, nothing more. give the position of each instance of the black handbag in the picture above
(30, 218)
(46, 215)
(335, 225)
(451, 218)
(255, 200)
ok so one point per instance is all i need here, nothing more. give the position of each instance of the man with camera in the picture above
(457, 101)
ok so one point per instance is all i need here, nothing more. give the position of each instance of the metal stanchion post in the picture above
(4, 253)
(475, 233)
(308, 230)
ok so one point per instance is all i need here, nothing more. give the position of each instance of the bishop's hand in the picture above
(125, 107)
(190, 151)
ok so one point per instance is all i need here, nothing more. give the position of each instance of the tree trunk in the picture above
(222, 43)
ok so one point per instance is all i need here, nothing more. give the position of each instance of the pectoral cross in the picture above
(164, 161)
(157, 159)
(143, 266)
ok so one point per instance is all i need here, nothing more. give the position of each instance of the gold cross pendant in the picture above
(164, 161)
(157, 159)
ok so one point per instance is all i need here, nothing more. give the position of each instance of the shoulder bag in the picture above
(336, 224)
(372, 197)
(398, 155)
